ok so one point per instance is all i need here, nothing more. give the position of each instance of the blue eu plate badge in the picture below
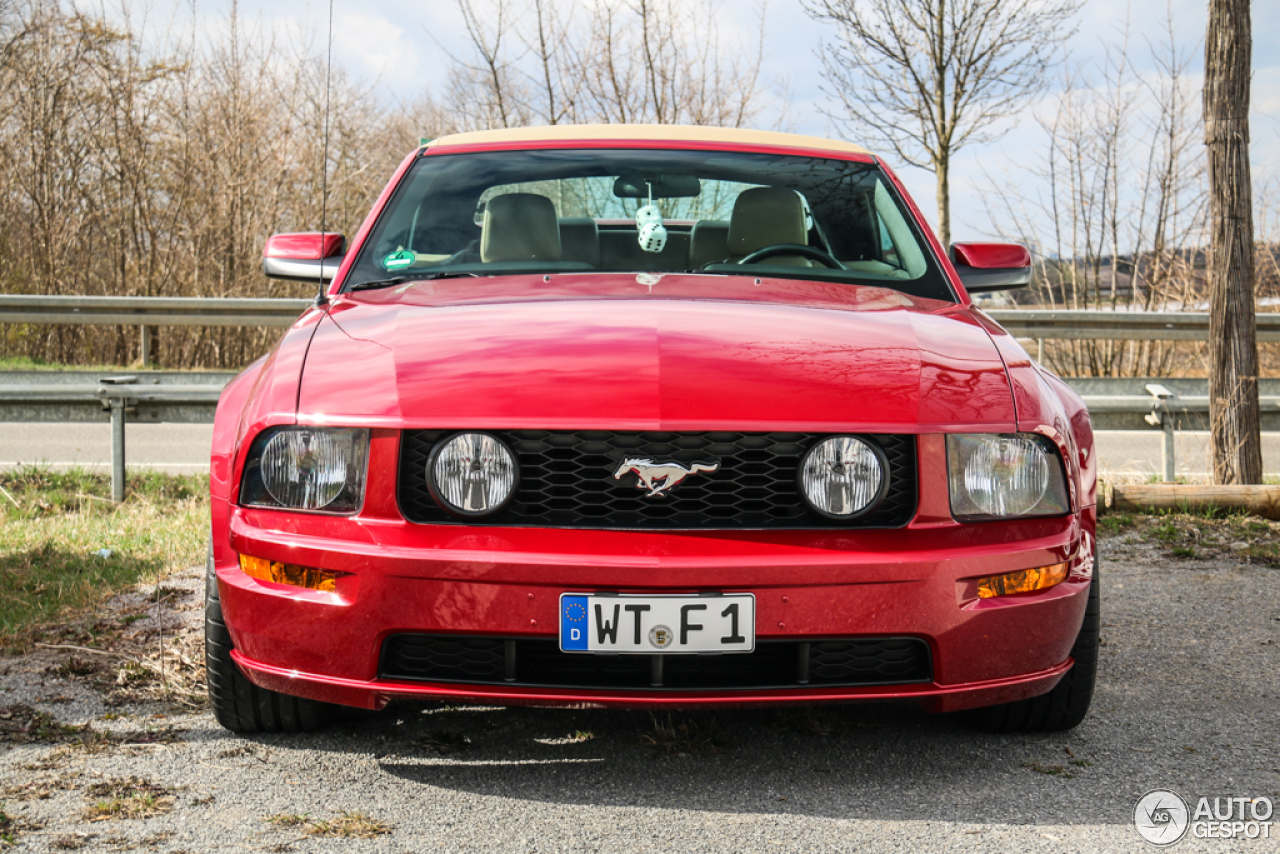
(573, 623)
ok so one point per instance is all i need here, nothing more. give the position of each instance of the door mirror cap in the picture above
(309, 256)
(985, 267)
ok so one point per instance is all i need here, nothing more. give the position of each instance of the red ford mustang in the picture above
(649, 417)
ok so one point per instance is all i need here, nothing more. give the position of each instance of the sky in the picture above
(398, 45)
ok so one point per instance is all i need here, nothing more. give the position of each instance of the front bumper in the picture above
(454, 580)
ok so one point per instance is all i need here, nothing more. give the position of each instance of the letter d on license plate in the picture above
(599, 622)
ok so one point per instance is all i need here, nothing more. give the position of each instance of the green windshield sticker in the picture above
(399, 259)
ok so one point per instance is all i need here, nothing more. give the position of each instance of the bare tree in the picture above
(486, 87)
(144, 160)
(665, 62)
(1113, 205)
(926, 78)
(1233, 349)
(620, 61)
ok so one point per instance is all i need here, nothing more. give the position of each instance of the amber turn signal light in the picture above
(1022, 581)
(288, 573)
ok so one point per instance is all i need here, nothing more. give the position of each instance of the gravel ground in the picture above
(1189, 700)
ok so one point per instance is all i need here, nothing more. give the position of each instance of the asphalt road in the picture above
(1188, 700)
(173, 448)
(184, 448)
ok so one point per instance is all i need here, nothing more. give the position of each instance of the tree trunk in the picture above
(942, 168)
(1233, 349)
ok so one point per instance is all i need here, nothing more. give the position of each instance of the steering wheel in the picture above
(811, 252)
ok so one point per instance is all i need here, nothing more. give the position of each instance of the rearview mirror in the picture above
(664, 186)
(309, 256)
(987, 267)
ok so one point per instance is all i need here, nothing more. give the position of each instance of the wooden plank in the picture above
(1261, 501)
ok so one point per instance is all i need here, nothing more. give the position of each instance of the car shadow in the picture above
(879, 762)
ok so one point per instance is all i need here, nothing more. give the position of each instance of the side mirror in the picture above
(306, 257)
(991, 266)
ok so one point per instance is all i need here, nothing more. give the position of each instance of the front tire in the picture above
(238, 704)
(1068, 703)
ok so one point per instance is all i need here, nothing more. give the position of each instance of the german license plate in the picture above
(601, 622)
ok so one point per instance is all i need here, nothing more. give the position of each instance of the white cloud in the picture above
(374, 44)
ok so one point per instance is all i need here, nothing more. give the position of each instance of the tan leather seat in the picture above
(708, 242)
(767, 216)
(580, 240)
(520, 227)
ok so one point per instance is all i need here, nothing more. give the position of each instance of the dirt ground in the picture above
(104, 745)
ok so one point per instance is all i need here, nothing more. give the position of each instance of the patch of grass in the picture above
(7, 834)
(1165, 532)
(1114, 523)
(286, 819)
(65, 548)
(1228, 535)
(807, 721)
(1081, 763)
(444, 741)
(1050, 770)
(128, 798)
(1267, 554)
(347, 825)
(26, 363)
(11, 827)
(21, 724)
(76, 666)
(38, 788)
(684, 736)
(242, 750)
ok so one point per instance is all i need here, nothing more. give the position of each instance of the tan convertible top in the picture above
(662, 133)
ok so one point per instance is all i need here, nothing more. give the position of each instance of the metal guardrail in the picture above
(59, 396)
(1165, 404)
(150, 311)
(1120, 325)
(1123, 404)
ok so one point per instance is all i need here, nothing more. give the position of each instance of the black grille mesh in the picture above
(773, 664)
(566, 481)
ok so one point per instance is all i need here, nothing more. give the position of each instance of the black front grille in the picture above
(566, 481)
(540, 663)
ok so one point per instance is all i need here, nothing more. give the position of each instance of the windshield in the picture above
(568, 211)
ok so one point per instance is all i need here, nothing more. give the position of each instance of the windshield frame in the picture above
(940, 284)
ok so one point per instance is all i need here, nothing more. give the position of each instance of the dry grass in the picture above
(128, 798)
(684, 735)
(444, 741)
(21, 724)
(59, 583)
(64, 548)
(12, 826)
(347, 825)
(1187, 536)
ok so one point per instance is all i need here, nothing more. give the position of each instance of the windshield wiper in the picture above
(399, 280)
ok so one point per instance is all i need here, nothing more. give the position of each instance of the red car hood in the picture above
(648, 352)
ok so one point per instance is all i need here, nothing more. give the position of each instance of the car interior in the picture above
(781, 216)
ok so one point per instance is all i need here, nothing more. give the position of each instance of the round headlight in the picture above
(1006, 475)
(843, 477)
(304, 469)
(472, 474)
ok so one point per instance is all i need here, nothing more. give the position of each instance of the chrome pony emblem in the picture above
(659, 478)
